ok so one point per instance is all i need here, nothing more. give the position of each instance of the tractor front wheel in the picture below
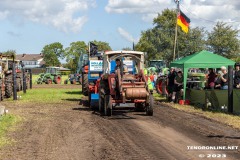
(49, 81)
(149, 106)
(101, 103)
(8, 86)
(18, 84)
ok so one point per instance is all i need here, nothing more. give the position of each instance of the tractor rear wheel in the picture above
(161, 86)
(57, 79)
(149, 107)
(74, 81)
(107, 105)
(85, 84)
(8, 86)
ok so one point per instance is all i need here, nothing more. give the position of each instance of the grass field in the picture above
(50, 95)
(7, 123)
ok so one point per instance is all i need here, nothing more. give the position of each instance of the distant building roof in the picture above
(29, 57)
(64, 69)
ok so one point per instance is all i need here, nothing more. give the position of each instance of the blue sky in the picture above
(26, 26)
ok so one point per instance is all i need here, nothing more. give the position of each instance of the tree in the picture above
(9, 53)
(158, 42)
(102, 46)
(51, 53)
(223, 40)
(73, 52)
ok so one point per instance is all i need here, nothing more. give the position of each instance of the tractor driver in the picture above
(118, 66)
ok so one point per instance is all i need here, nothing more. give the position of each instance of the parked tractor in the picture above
(74, 79)
(114, 87)
(6, 77)
(91, 72)
(77, 77)
(52, 75)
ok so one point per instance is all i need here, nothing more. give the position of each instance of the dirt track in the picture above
(73, 131)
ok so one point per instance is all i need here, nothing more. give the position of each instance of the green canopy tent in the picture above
(203, 59)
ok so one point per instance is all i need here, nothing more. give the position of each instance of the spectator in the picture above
(237, 76)
(211, 78)
(178, 84)
(224, 78)
(218, 80)
(170, 82)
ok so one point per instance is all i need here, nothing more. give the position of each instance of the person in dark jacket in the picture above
(237, 76)
(211, 79)
(170, 82)
(178, 85)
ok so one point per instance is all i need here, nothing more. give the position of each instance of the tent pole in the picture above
(184, 81)
(176, 31)
(230, 89)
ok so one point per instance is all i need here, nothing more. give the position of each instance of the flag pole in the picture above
(176, 31)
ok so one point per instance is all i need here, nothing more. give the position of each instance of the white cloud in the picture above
(202, 13)
(3, 15)
(127, 36)
(148, 9)
(65, 15)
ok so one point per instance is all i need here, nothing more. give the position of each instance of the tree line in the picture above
(52, 53)
(158, 41)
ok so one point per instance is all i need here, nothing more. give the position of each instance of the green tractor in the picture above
(52, 75)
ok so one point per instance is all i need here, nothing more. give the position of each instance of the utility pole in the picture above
(176, 30)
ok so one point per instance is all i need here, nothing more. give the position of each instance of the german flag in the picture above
(183, 21)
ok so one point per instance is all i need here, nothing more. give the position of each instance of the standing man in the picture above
(237, 76)
(170, 82)
(178, 85)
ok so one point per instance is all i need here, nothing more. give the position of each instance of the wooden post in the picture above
(14, 80)
(24, 82)
(30, 71)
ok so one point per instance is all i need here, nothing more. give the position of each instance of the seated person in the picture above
(124, 68)
(237, 76)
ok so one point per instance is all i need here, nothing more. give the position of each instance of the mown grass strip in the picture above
(50, 95)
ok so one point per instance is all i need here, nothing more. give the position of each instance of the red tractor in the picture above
(115, 87)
